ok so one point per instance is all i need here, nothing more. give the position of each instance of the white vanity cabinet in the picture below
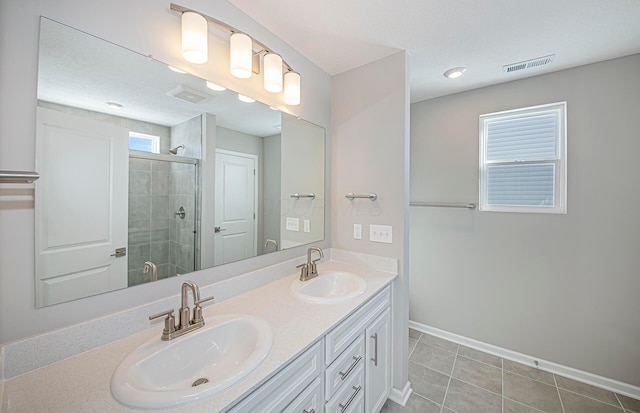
(358, 350)
(347, 371)
(378, 367)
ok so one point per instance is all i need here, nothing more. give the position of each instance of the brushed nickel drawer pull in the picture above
(346, 373)
(353, 396)
(375, 351)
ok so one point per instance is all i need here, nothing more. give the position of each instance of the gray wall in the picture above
(370, 153)
(563, 288)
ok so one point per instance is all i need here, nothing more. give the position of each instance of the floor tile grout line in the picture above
(480, 361)
(526, 405)
(593, 398)
(624, 409)
(531, 378)
(457, 378)
(558, 390)
(450, 377)
(502, 382)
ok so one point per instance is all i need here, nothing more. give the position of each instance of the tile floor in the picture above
(451, 378)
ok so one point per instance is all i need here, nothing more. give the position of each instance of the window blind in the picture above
(522, 138)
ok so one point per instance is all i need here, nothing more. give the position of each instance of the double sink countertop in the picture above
(82, 382)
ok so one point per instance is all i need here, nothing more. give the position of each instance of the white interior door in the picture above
(81, 207)
(235, 211)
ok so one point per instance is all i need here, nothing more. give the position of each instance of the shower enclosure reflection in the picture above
(158, 190)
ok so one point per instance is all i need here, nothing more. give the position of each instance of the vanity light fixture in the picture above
(215, 86)
(243, 60)
(194, 38)
(241, 55)
(245, 99)
(272, 72)
(455, 72)
(175, 69)
(292, 88)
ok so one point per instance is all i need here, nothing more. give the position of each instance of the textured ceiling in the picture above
(79, 70)
(483, 35)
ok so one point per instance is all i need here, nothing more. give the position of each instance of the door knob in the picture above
(218, 229)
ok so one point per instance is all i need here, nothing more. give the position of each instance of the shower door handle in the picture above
(120, 252)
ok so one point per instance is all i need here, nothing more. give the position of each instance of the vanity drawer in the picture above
(341, 370)
(338, 339)
(350, 398)
(285, 386)
(309, 401)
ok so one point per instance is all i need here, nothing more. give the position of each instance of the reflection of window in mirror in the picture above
(144, 143)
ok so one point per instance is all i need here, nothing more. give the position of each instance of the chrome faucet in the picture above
(185, 323)
(154, 270)
(309, 269)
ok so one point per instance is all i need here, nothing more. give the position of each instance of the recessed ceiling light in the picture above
(175, 69)
(455, 72)
(216, 87)
(114, 105)
(245, 99)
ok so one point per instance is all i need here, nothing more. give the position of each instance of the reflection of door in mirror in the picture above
(236, 207)
(81, 207)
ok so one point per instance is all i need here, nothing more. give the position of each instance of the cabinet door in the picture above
(378, 367)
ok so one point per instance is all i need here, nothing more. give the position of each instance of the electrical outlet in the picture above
(293, 224)
(381, 233)
(357, 231)
(307, 225)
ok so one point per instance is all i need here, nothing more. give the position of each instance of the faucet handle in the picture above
(204, 300)
(304, 271)
(197, 310)
(169, 322)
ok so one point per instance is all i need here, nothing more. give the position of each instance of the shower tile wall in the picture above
(157, 189)
(182, 236)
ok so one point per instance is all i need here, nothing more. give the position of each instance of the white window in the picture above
(144, 143)
(523, 160)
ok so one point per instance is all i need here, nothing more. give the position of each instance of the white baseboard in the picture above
(401, 396)
(575, 374)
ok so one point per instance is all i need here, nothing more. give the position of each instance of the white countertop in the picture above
(82, 383)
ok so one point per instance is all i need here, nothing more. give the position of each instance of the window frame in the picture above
(155, 141)
(559, 109)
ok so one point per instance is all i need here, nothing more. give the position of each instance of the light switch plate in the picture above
(307, 225)
(293, 224)
(357, 231)
(381, 233)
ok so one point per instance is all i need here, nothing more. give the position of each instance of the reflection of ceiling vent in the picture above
(189, 94)
(528, 64)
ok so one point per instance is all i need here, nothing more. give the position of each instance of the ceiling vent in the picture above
(528, 64)
(189, 94)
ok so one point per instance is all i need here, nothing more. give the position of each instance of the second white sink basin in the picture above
(329, 287)
(200, 364)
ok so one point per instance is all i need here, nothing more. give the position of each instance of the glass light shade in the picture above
(292, 88)
(215, 86)
(194, 38)
(241, 58)
(245, 99)
(272, 73)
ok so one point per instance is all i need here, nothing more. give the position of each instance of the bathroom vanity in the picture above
(324, 357)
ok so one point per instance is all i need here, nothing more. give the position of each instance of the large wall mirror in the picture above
(148, 173)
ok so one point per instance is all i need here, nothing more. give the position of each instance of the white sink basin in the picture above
(161, 374)
(329, 287)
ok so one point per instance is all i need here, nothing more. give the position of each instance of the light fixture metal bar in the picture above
(223, 26)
